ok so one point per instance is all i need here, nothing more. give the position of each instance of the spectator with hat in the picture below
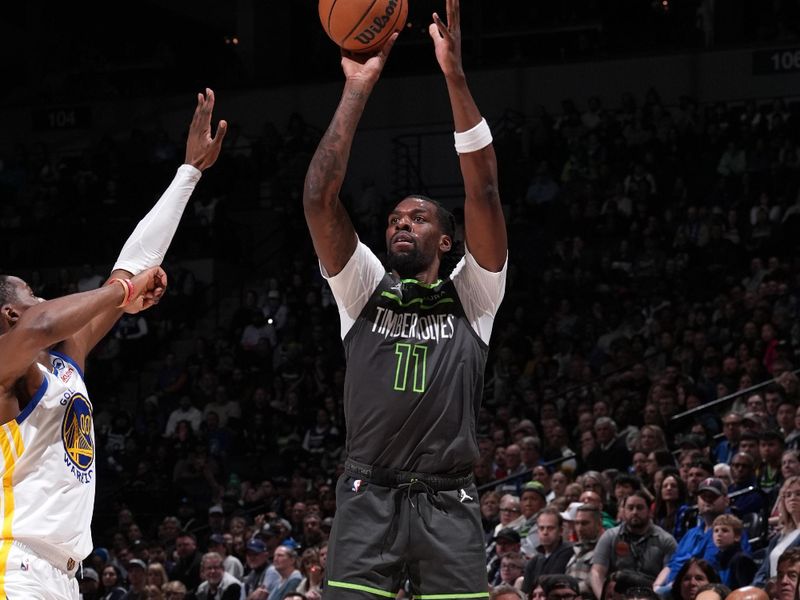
(560, 587)
(259, 576)
(216, 518)
(533, 499)
(137, 580)
(637, 544)
(88, 583)
(588, 529)
(698, 542)
(506, 541)
(231, 564)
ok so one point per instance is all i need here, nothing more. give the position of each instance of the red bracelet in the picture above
(127, 287)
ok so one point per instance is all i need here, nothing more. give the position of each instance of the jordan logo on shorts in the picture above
(462, 495)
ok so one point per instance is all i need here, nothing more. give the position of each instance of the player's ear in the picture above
(445, 243)
(10, 314)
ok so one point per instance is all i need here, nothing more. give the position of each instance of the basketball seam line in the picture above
(360, 20)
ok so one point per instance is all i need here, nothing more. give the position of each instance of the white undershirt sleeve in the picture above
(480, 292)
(147, 245)
(353, 285)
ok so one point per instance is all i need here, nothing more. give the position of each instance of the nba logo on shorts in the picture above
(356, 485)
(76, 432)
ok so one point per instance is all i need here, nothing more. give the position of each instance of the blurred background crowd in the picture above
(640, 425)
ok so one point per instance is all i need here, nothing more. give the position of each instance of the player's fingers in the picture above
(387, 47)
(453, 14)
(222, 129)
(440, 26)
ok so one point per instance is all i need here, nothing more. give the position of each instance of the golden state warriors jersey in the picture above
(48, 470)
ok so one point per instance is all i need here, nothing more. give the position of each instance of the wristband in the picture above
(127, 287)
(474, 139)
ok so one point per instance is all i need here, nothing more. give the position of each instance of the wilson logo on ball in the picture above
(378, 24)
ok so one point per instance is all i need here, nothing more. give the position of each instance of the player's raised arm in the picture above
(148, 244)
(485, 229)
(331, 229)
(30, 324)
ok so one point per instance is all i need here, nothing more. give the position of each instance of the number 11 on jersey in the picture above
(408, 355)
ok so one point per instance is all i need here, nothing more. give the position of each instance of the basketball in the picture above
(362, 25)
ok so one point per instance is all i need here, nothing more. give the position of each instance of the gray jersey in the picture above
(416, 356)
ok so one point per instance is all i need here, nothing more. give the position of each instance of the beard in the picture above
(407, 264)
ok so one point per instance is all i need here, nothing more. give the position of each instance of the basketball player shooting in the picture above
(47, 439)
(416, 342)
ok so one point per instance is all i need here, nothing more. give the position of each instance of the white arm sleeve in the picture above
(148, 243)
(480, 292)
(354, 284)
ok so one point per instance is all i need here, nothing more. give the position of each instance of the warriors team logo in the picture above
(76, 433)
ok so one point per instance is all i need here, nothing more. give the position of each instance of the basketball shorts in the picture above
(385, 535)
(30, 577)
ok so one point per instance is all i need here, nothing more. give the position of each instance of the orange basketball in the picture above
(362, 25)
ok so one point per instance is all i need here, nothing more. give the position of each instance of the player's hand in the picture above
(148, 288)
(202, 149)
(367, 68)
(447, 40)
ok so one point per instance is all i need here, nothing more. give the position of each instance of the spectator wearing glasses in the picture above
(789, 536)
(743, 473)
(509, 512)
(506, 542)
(787, 575)
(512, 566)
(216, 584)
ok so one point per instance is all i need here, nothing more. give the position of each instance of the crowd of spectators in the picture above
(652, 270)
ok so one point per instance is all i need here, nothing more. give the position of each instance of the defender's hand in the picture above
(148, 288)
(202, 149)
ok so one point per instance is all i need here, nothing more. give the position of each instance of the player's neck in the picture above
(429, 276)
